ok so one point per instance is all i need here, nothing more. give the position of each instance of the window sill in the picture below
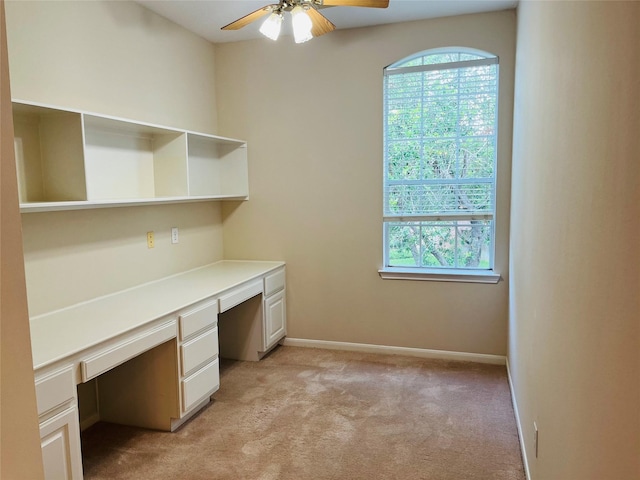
(434, 275)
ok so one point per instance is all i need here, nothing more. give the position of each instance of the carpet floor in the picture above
(304, 413)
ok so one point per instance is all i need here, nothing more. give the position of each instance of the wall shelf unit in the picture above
(70, 160)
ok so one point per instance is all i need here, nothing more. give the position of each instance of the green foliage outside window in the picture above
(440, 151)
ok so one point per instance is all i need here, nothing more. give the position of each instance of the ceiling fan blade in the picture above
(356, 3)
(247, 19)
(321, 24)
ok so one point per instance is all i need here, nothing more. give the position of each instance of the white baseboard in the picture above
(91, 420)
(383, 349)
(519, 425)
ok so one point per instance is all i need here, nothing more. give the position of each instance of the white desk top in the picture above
(57, 335)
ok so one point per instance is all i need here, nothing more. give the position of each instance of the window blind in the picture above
(440, 142)
(440, 138)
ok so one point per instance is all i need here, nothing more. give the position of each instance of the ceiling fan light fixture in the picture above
(271, 26)
(306, 19)
(302, 25)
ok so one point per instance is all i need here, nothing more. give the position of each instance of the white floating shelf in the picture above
(70, 160)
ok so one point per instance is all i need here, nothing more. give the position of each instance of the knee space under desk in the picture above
(143, 368)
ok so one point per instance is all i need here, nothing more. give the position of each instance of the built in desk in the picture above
(154, 350)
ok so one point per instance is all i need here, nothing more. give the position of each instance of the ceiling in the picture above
(206, 17)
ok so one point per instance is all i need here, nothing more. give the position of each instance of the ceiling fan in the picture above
(306, 20)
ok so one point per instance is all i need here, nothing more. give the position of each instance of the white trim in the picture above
(402, 189)
(518, 424)
(449, 49)
(34, 207)
(438, 181)
(438, 217)
(389, 350)
(440, 275)
(441, 66)
(89, 421)
(100, 116)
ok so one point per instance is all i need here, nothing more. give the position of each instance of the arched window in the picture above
(440, 132)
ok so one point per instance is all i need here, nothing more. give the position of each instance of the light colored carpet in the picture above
(319, 414)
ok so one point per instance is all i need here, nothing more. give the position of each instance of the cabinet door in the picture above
(275, 319)
(60, 441)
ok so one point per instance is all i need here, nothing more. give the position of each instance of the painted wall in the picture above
(74, 256)
(115, 58)
(19, 434)
(120, 59)
(312, 116)
(575, 285)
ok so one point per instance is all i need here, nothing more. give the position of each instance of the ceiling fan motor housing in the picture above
(288, 5)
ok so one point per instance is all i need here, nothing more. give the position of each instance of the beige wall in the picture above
(575, 288)
(19, 435)
(120, 59)
(74, 256)
(312, 116)
(114, 58)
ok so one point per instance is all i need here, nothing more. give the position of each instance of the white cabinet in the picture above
(198, 357)
(119, 353)
(199, 351)
(59, 428)
(201, 385)
(275, 311)
(152, 369)
(253, 318)
(72, 160)
(60, 441)
(275, 319)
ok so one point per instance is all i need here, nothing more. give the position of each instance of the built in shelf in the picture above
(69, 160)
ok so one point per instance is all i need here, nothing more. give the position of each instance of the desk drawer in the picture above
(199, 350)
(199, 319)
(120, 353)
(273, 283)
(54, 390)
(239, 295)
(202, 383)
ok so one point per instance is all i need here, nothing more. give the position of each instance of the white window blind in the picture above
(440, 133)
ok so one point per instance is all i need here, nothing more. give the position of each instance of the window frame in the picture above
(443, 273)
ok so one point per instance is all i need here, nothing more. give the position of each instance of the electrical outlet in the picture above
(535, 438)
(150, 240)
(174, 235)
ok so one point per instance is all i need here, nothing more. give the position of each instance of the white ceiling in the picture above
(206, 17)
